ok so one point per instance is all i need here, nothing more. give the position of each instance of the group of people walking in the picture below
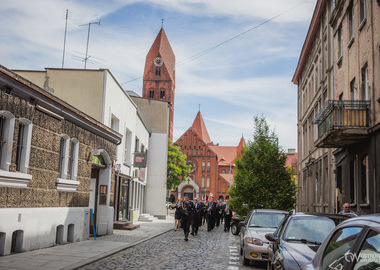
(190, 215)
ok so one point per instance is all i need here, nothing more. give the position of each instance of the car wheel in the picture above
(234, 229)
(269, 266)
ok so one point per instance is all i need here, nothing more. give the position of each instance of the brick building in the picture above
(159, 74)
(212, 165)
(338, 108)
(55, 164)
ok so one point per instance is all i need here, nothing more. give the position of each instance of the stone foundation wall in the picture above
(44, 159)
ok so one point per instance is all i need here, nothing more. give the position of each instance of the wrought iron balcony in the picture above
(342, 122)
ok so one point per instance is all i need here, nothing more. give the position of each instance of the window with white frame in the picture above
(23, 146)
(74, 153)
(63, 156)
(208, 182)
(208, 166)
(127, 148)
(7, 123)
(203, 181)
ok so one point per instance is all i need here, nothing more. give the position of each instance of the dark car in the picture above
(253, 244)
(298, 238)
(353, 244)
(236, 223)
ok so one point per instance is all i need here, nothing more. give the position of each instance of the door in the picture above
(93, 200)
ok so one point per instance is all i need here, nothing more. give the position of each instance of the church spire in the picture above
(200, 128)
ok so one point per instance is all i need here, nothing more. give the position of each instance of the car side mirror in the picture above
(271, 237)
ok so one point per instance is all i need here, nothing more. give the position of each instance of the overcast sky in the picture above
(234, 58)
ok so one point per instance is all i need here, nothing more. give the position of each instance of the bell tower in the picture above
(159, 74)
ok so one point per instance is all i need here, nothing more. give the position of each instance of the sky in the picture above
(234, 59)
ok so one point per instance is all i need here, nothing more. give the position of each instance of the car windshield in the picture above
(266, 220)
(309, 229)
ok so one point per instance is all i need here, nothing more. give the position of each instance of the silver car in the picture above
(253, 244)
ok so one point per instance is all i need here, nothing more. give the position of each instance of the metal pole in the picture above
(64, 40)
(230, 174)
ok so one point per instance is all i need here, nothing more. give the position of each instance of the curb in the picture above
(112, 252)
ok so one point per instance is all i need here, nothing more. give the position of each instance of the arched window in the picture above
(208, 182)
(63, 156)
(203, 181)
(158, 71)
(223, 171)
(151, 93)
(208, 166)
(74, 158)
(203, 166)
(24, 139)
(7, 124)
(162, 93)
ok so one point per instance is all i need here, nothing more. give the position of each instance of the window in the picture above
(151, 93)
(223, 171)
(114, 123)
(363, 11)
(339, 244)
(24, 139)
(127, 148)
(351, 22)
(142, 148)
(162, 94)
(203, 166)
(364, 180)
(354, 90)
(365, 83)
(352, 182)
(158, 71)
(340, 43)
(137, 142)
(203, 181)
(369, 255)
(7, 123)
(74, 152)
(63, 156)
(208, 182)
(208, 166)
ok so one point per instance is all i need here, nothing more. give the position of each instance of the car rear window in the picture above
(266, 220)
(314, 229)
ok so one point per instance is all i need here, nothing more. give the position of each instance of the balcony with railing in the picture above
(342, 122)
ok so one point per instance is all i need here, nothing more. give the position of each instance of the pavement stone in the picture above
(75, 255)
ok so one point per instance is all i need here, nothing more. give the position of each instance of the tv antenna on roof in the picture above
(88, 38)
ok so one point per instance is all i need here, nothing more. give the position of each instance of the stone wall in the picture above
(44, 159)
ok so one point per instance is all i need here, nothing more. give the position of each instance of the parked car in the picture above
(235, 225)
(298, 238)
(253, 244)
(353, 244)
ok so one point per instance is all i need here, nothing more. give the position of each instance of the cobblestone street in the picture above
(207, 250)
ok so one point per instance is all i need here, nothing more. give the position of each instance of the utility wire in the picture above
(200, 54)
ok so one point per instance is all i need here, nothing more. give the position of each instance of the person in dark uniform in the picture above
(177, 214)
(187, 212)
(227, 217)
(196, 220)
(210, 216)
(218, 213)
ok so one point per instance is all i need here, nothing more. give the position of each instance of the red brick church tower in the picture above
(159, 74)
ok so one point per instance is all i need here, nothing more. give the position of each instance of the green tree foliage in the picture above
(261, 179)
(177, 167)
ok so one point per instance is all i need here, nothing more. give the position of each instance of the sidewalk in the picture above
(75, 255)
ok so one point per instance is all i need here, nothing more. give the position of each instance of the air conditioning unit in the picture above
(136, 173)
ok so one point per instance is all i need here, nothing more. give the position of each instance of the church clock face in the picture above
(158, 61)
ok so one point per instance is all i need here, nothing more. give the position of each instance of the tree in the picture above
(177, 168)
(261, 179)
